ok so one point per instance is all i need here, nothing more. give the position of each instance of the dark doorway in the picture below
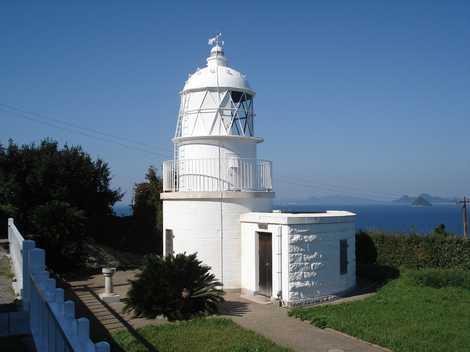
(168, 242)
(265, 270)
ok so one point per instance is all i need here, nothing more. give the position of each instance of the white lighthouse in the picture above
(215, 175)
(217, 200)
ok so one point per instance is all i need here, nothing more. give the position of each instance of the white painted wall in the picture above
(196, 225)
(209, 148)
(199, 170)
(310, 253)
(314, 264)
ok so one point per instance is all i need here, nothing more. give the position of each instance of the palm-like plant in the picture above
(177, 287)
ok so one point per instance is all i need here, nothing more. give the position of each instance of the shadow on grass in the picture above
(98, 330)
(377, 273)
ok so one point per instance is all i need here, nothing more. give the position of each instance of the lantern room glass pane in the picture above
(242, 114)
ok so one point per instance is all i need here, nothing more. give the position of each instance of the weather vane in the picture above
(216, 40)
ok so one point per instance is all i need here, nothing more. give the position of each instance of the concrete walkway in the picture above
(265, 319)
(12, 321)
(7, 296)
(274, 323)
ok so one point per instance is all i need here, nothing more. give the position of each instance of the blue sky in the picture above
(363, 98)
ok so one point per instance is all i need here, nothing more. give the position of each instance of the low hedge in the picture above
(439, 278)
(411, 251)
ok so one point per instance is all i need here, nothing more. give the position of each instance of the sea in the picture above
(390, 217)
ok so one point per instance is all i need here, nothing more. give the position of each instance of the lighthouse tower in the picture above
(215, 175)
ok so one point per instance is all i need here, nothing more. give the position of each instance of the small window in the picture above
(343, 257)
(168, 242)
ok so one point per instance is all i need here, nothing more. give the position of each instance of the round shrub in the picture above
(178, 287)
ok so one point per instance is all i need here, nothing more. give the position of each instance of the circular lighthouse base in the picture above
(208, 223)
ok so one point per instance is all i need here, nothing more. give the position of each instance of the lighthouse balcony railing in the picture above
(215, 175)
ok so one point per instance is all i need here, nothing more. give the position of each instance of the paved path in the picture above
(110, 316)
(267, 320)
(7, 296)
(273, 322)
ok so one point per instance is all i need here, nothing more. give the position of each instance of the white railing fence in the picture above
(214, 175)
(52, 320)
(16, 242)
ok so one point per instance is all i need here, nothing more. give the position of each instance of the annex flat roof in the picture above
(327, 217)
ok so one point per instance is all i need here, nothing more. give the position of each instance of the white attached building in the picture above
(217, 195)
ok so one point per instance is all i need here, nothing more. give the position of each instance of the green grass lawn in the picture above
(402, 316)
(211, 334)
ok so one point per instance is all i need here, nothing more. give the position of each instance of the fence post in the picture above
(39, 275)
(83, 330)
(59, 310)
(102, 347)
(70, 328)
(28, 246)
(37, 260)
(50, 290)
(36, 265)
(59, 300)
(10, 229)
(41, 281)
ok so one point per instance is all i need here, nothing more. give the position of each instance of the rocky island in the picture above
(421, 202)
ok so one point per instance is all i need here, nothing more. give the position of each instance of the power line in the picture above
(464, 203)
(140, 146)
(72, 125)
(81, 131)
(333, 188)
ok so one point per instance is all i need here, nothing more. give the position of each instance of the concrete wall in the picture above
(314, 260)
(229, 160)
(196, 226)
(209, 148)
(307, 249)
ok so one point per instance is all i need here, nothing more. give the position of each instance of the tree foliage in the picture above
(147, 215)
(177, 287)
(440, 231)
(59, 195)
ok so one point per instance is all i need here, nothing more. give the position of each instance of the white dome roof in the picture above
(207, 78)
(227, 77)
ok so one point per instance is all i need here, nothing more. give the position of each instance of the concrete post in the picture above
(108, 280)
(108, 295)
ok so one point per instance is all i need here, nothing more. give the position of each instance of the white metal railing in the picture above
(51, 320)
(212, 175)
(16, 246)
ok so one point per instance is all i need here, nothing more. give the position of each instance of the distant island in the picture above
(329, 200)
(339, 199)
(421, 202)
(406, 199)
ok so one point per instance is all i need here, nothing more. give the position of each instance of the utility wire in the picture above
(140, 146)
(81, 131)
(335, 188)
(332, 190)
(70, 124)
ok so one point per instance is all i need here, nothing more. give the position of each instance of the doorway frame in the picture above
(267, 293)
